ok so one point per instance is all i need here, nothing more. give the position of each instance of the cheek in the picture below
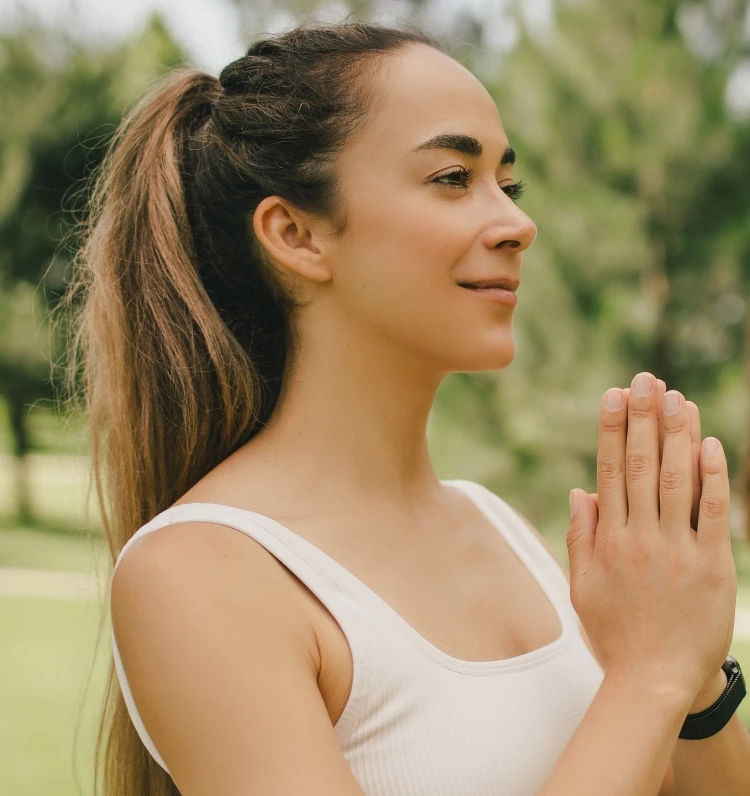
(400, 279)
(401, 273)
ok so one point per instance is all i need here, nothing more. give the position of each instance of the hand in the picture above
(651, 591)
(716, 682)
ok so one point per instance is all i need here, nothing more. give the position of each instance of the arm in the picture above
(667, 786)
(720, 764)
(223, 667)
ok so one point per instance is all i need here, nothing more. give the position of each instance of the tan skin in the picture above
(344, 461)
(385, 324)
(373, 380)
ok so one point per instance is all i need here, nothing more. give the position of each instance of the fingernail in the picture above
(613, 399)
(644, 383)
(671, 403)
(573, 503)
(710, 446)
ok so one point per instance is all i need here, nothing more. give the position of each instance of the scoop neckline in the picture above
(527, 660)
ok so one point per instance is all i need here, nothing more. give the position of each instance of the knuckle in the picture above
(713, 572)
(611, 423)
(675, 426)
(637, 465)
(610, 470)
(714, 506)
(640, 411)
(673, 479)
(574, 533)
(713, 468)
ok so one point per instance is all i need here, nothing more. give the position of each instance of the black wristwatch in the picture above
(709, 721)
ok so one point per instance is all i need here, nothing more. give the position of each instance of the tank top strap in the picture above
(532, 552)
(324, 576)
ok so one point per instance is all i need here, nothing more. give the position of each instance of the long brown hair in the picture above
(180, 333)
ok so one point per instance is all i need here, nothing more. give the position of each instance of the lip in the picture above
(498, 294)
(504, 281)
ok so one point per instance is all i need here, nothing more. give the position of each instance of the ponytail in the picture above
(181, 327)
(170, 392)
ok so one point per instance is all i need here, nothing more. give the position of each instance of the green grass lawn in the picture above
(28, 548)
(47, 652)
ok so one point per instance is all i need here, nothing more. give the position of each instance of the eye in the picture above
(461, 173)
(515, 190)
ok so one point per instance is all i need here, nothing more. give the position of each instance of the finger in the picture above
(595, 500)
(676, 473)
(610, 461)
(695, 441)
(662, 389)
(713, 520)
(642, 454)
(581, 536)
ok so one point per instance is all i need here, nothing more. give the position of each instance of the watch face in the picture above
(732, 667)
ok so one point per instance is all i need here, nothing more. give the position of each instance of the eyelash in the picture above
(516, 189)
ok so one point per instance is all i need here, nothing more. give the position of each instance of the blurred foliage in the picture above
(61, 101)
(637, 182)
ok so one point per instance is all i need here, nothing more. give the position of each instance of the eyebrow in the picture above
(466, 144)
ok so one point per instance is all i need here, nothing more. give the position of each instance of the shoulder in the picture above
(220, 663)
(207, 567)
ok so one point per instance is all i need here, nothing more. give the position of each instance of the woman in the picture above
(283, 265)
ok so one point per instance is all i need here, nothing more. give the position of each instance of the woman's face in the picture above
(416, 229)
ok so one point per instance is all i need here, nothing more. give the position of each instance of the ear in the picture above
(295, 243)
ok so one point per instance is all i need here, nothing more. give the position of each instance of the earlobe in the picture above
(290, 241)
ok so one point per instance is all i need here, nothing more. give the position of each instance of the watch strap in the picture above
(709, 721)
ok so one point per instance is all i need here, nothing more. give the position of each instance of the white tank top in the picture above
(419, 722)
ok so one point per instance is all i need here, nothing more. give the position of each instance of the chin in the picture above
(488, 358)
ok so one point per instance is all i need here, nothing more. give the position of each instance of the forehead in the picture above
(422, 92)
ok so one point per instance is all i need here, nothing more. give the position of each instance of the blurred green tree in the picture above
(61, 101)
(637, 176)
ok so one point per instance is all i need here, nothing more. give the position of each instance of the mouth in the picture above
(501, 289)
(498, 283)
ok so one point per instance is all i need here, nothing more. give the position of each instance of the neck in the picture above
(352, 419)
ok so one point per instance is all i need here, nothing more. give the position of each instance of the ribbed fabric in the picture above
(419, 722)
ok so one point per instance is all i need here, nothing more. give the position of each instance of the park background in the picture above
(631, 121)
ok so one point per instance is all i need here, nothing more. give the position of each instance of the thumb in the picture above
(581, 533)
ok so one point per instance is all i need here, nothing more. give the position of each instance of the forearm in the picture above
(719, 764)
(624, 743)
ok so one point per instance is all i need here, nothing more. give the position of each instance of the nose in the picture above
(513, 229)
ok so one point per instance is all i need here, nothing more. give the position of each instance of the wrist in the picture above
(652, 687)
(711, 690)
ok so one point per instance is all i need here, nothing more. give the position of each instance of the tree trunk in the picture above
(744, 479)
(19, 428)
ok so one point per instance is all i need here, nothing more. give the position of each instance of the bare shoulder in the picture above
(222, 665)
(214, 564)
